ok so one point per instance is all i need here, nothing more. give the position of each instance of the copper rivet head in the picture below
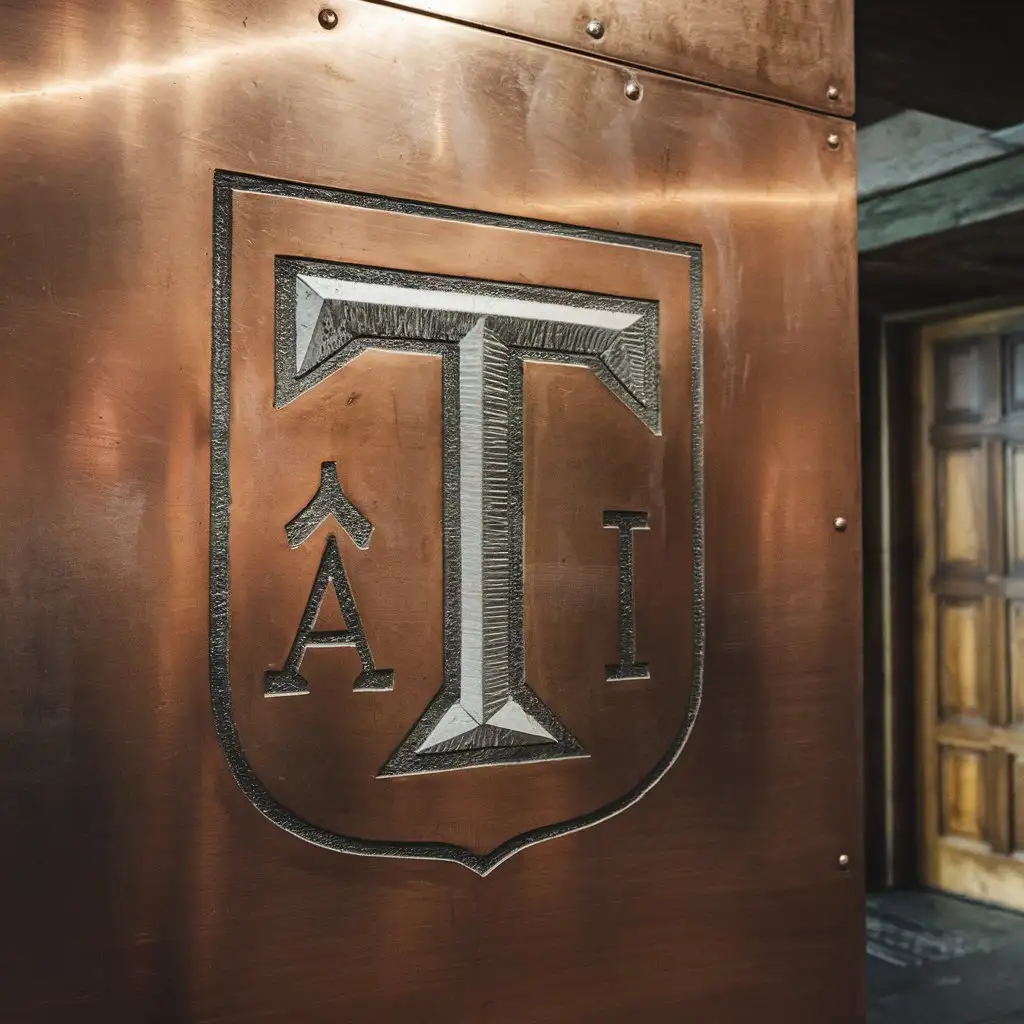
(833, 93)
(833, 141)
(844, 860)
(839, 523)
(633, 90)
(328, 18)
(595, 28)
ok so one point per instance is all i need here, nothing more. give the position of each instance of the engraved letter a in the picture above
(288, 680)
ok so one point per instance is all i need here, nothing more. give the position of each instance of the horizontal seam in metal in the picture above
(604, 58)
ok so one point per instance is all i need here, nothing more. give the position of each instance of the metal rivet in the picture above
(833, 141)
(844, 860)
(833, 93)
(839, 523)
(328, 18)
(595, 28)
(633, 90)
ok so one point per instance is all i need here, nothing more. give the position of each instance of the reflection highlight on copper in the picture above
(129, 73)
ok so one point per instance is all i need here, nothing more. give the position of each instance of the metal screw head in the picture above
(633, 90)
(595, 28)
(833, 93)
(840, 524)
(328, 18)
(833, 141)
(844, 860)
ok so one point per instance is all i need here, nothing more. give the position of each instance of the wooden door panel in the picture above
(1014, 518)
(966, 382)
(962, 680)
(970, 485)
(1014, 373)
(1015, 638)
(959, 383)
(962, 786)
(962, 487)
(1017, 804)
(998, 782)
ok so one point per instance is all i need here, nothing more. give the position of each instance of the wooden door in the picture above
(970, 490)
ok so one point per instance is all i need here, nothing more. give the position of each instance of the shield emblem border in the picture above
(225, 184)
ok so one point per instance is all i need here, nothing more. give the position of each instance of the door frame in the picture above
(895, 827)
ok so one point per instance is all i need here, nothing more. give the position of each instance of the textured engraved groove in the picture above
(289, 386)
(309, 307)
(626, 358)
(471, 519)
(486, 737)
(329, 500)
(628, 668)
(495, 524)
(617, 339)
(338, 325)
(485, 699)
(566, 338)
(490, 302)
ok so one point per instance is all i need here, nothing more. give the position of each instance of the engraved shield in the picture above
(456, 519)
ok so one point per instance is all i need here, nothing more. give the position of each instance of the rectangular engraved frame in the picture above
(226, 184)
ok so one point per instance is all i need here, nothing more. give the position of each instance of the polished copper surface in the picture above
(798, 51)
(139, 882)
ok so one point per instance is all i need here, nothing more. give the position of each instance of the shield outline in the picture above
(225, 184)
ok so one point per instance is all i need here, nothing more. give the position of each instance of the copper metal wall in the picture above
(139, 881)
(798, 51)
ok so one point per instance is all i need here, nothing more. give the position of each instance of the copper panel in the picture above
(140, 881)
(797, 51)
